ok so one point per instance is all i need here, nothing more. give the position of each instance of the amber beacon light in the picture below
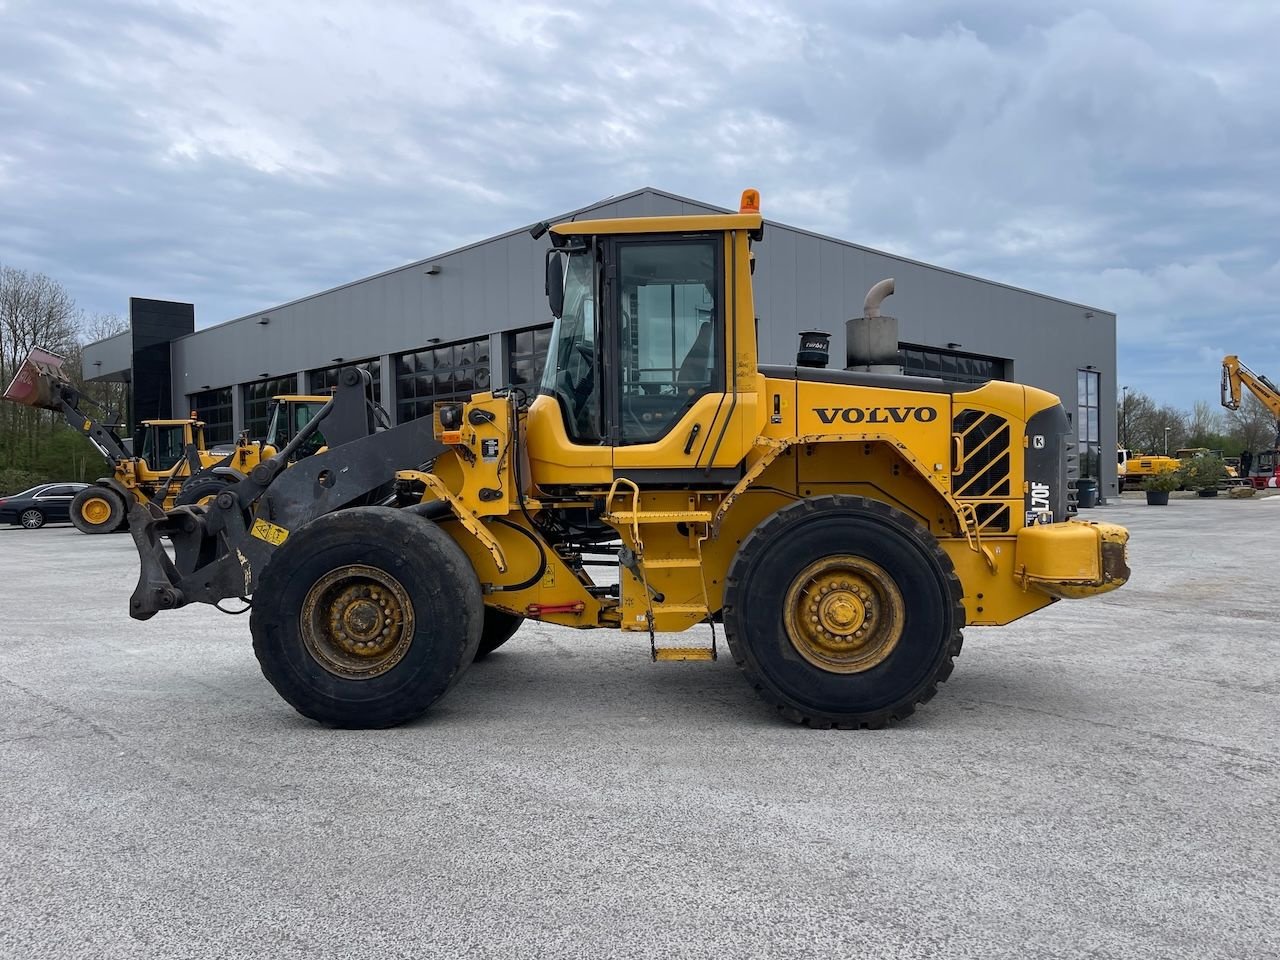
(750, 201)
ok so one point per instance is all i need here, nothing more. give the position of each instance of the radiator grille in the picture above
(983, 470)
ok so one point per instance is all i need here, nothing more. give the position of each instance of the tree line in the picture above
(1143, 425)
(36, 445)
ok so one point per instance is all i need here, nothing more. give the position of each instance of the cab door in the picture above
(670, 402)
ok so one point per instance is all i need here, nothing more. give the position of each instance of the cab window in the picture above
(162, 447)
(287, 420)
(669, 343)
(572, 374)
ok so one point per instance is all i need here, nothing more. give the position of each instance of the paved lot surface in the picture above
(1101, 780)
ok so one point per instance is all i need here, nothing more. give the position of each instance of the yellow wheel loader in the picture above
(171, 467)
(840, 527)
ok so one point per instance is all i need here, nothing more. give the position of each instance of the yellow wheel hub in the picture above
(95, 510)
(844, 614)
(357, 622)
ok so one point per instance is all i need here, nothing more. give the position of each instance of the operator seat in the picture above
(695, 369)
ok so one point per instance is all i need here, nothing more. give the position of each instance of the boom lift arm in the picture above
(1235, 375)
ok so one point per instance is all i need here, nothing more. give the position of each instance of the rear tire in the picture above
(32, 519)
(200, 491)
(366, 617)
(97, 510)
(499, 627)
(843, 611)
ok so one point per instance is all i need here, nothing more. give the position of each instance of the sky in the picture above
(242, 154)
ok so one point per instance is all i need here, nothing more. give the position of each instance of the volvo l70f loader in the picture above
(841, 525)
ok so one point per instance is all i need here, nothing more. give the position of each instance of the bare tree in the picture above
(94, 327)
(35, 310)
(1253, 425)
(1146, 424)
(1204, 421)
(100, 326)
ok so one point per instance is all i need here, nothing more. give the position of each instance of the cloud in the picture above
(1119, 154)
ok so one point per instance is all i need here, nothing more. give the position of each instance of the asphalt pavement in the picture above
(1099, 780)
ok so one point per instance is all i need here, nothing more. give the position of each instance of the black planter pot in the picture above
(1157, 498)
(1211, 492)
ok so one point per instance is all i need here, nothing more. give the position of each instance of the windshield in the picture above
(571, 374)
(162, 447)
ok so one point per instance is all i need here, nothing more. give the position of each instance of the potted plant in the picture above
(1205, 474)
(1159, 485)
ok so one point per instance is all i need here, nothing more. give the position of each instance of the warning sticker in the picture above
(270, 532)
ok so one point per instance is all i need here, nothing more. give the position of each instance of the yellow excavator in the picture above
(1237, 377)
(839, 526)
(171, 466)
(1134, 468)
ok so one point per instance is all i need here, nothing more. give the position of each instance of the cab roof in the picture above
(702, 223)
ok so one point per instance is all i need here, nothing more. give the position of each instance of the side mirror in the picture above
(555, 283)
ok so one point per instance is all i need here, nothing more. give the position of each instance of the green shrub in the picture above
(1204, 472)
(1164, 482)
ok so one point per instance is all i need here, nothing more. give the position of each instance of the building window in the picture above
(257, 402)
(451, 372)
(526, 356)
(1088, 384)
(324, 381)
(214, 408)
(918, 361)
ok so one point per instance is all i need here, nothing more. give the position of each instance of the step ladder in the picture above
(639, 564)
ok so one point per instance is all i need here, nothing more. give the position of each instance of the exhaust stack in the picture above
(871, 341)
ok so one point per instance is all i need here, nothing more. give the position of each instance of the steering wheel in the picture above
(580, 374)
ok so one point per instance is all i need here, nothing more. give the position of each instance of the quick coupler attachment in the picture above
(158, 577)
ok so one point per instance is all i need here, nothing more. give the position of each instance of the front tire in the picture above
(366, 617)
(97, 510)
(843, 611)
(200, 492)
(499, 627)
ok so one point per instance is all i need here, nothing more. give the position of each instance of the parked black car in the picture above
(47, 503)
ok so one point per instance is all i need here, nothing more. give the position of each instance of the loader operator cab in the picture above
(289, 414)
(164, 442)
(659, 318)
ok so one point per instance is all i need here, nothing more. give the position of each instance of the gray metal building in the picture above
(475, 318)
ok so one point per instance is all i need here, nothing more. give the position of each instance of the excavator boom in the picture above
(1236, 375)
